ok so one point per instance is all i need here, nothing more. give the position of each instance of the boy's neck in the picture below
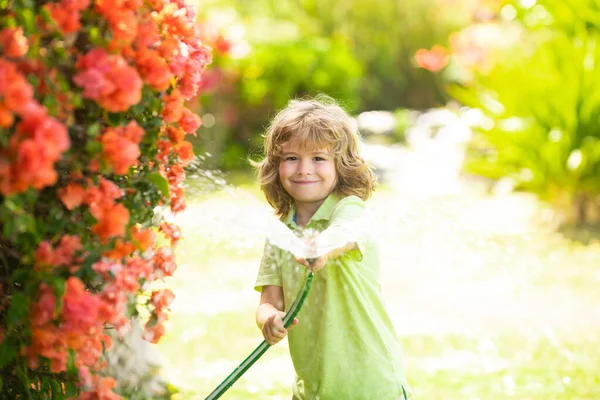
(305, 211)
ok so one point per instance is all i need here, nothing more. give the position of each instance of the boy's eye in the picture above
(290, 158)
(319, 159)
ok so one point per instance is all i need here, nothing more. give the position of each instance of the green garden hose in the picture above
(264, 346)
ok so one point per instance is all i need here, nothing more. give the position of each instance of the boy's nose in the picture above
(304, 168)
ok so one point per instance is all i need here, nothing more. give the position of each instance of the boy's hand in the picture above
(273, 330)
(314, 264)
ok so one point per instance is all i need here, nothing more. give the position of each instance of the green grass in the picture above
(492, 307)
(503, 366)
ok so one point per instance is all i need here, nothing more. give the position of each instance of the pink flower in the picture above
(108, 80)
(433, 60)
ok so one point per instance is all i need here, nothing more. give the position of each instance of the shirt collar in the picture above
(323, 213)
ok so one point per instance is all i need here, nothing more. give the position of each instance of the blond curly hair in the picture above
(314, 124)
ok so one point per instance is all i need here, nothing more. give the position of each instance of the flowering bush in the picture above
(92, 127)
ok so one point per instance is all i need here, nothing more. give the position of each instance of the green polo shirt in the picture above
(344, 346)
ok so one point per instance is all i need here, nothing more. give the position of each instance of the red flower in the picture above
(171, 231)
(33, 115)
(164, 261)
(154, 69)
(63, 255)
(139, 268)
(185, 151)
(42, 312)
(164, 150)
(112, 219)
(38, 143)
(121, 250)
(175, 134)
(66, 14)
(189, 121)
(54, 136)
(173, 109)
(144, 238)
(8, 73)
(6, 117)
(433, 60)
(81, 308)
(66, 249)
(13, 43)
(177, 199)
(33, 167)
(169, 48)
(71, 195)
(153, 333)
(44, 255)
(192, 67)
(18, 94)
(120, 146)
(162, 298)
(222, 45)
(175, 176)
(177, 22)
(124, 26)
(109, 190)
(148, 35)
(103, 391)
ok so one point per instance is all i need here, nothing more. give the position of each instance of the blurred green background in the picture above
(482, 119)
(528, 66)
(267, 52)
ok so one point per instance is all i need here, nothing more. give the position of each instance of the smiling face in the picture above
(308, 175)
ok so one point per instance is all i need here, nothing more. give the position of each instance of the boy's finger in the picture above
(303, 262)
(279, 333)
(279, 319)
(317, 264)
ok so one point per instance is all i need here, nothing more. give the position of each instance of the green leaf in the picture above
(114, 119)
(25, 223)
(57, 392)
(93, 147)
(18, 309)
(160, 182)
(71, 367)
(94, 33)
(71, 389)
(20, 275)
(59, 291)
(93, 130)
(27, 17)
(45, 384)
(8, 351)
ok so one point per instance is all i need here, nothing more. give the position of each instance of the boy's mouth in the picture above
(304, 182)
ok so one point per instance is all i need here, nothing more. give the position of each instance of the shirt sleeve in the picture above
(349, 221)
(268, 273)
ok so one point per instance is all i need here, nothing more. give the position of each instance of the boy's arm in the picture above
(269, 314)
